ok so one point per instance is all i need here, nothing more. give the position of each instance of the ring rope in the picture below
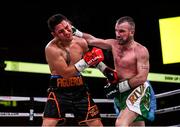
(31, 114)
(165, 94)
(43, 99)
(70, 115)
(166, 110)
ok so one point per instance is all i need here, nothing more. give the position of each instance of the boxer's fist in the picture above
(94, 56)
(91, 58)
(76, 32)
(110, 73)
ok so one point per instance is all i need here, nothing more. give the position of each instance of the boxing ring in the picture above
(31, 114)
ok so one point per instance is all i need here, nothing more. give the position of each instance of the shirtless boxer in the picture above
(67, 56)
(129, 86)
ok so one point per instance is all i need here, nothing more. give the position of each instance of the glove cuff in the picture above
(78, 33)
(81, 65)
(123, 86)
(101, 66)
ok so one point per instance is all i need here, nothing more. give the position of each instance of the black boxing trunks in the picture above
(70, 96)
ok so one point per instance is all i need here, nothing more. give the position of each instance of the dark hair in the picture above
(55, 20)
(128, 19)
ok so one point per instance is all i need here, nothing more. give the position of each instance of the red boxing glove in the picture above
(110, 73)
(94, 56)
(91, 58)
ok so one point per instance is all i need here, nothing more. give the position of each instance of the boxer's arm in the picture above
(58, 65)
(142, 72)
(114, 86)
(142, 67)
(93, 41)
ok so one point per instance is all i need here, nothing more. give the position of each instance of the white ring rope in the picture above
(40, 99)
(170, 93)
(170, 109)
(70, 115)
(14, 98)
(43, 99)
(31, 114)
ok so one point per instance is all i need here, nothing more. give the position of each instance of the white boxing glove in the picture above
(76, 32)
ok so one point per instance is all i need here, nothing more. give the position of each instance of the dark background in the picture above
(24, 31)
(24, 35)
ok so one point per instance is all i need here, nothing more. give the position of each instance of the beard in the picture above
(124, 41)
